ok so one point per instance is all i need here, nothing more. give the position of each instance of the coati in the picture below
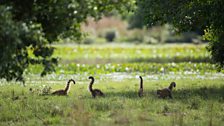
(64, 91)
(140, 91)
(166, 92)
(94, 92)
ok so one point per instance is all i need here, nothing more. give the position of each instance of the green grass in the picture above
(151, 59)
(196, 102)
(98, 54)
(149, 68)
(198, 98)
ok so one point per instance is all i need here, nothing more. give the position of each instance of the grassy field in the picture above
(198, 99)
(120, 53)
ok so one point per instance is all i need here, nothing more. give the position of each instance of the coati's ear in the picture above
(173, 84)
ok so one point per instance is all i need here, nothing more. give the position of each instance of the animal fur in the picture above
(94, 92)
(166, 92)
(140, 91)
(64, 91)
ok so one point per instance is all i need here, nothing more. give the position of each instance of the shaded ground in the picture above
(138, 60)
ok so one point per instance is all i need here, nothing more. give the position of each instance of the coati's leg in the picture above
(170, 95)
(93, 94)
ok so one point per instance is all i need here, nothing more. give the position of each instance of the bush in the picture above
(141, 36)
(110, 35)
(89, 40)
(136, 35)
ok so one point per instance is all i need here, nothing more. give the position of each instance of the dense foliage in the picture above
(136, 19)
(34, 24)
(185, 15)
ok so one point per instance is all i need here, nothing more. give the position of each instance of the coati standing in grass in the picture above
(166, 92)
(64, 91)
(140, 91)
(94, 92)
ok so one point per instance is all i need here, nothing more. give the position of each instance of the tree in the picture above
(136, 19)
(188, 15)
(28, 27)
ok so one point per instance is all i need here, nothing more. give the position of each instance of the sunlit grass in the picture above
(148, 68)
(198, 98)
(196, 102)
(132, 53)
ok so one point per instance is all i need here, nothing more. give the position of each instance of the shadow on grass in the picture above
(205, 93)
(121, 94)
(172, 59)
(125, 94)
(139, 60)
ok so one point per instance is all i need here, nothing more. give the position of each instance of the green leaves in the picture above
(190, 15)
(34, 24)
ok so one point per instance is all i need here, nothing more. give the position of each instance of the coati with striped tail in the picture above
(64, 91)
(94, 92)
(140, 91)
(166, 92)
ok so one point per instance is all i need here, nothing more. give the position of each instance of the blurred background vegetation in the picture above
(32, 29)
(117, 28)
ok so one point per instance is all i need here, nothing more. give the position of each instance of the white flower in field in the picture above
(95, 8)
(75, 12)
(172, 73)
(78, 65)
(126, 68)
(173, 64)
(195, 65)
(177, 54)
(75, 50)
(56, 107)
(162, 69)
(106, 66)
(98, 66)
(62, 71)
